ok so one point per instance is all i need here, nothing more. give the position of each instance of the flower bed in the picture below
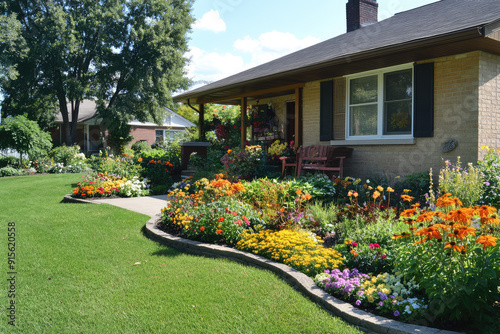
(104, 185)
(438, 257)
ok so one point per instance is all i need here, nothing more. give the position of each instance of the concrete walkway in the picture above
(148, 205)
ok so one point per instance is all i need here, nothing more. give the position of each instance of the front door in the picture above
(290, 122)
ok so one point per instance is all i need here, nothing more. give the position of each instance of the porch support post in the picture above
(201, 118)
(243, 125)
(298, 135)
(86, 150)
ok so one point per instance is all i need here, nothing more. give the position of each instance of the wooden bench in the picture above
(317, 157)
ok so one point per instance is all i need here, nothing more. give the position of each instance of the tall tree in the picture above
(125, 54)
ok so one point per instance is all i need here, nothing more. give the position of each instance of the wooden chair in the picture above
(290, 162)
(325, 159)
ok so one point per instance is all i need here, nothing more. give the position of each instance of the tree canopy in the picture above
(125, 54)
(24, 136)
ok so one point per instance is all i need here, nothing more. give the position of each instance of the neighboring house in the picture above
(91, 137)
(403, 92)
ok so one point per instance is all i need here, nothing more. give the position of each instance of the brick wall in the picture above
(489, 101)
(455, 117)
(147, 133)
(360, 12)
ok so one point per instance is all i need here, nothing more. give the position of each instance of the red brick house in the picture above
(91, 137)
(398, 91)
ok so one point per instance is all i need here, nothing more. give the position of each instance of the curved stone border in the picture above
(295, 278)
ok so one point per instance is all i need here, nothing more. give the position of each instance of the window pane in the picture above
(397, 117)
(159, 135)
(398, 85)
(363, 90)
(364, 120)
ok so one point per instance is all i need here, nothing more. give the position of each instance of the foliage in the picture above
(370, 258)
(218, 221)
(466, 184)
(24, 136)
(323, 187)
(490, 169)
(66, 154)
(243, 163)
(209, 211)
(8, 161)
(122, 166)
(10, 171)
(159, 173)
(140, 146)
(453, 259)
(418, 185)
(222, 124)
(297, 249)
(118, 135)
(11, 44)
(129, 56)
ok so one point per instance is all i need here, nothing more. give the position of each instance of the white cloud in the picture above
(212, 66)
(272, 45)
(210, 21)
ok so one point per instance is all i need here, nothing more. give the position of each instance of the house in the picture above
(405, 92)
(91, 137)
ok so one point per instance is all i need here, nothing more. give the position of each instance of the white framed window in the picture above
(165, 135)
(380, 104)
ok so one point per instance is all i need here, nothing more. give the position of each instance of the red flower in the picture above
(221, 219)
(218, 231)
(202, 228)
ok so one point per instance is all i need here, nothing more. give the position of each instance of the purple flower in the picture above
(396, 313)
(358, 302)
(381, 304)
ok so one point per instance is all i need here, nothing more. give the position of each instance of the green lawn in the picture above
(77, 273)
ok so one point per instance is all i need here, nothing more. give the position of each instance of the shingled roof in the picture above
(438, 29)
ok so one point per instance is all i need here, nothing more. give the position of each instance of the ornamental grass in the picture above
(297, 249)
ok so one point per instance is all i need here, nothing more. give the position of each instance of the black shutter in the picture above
(423, 109)
(326, 111)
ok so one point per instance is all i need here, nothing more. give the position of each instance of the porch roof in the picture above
(443, 28)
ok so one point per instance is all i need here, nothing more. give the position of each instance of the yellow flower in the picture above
(379, 188)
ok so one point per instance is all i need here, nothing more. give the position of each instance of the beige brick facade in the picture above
(466, 108)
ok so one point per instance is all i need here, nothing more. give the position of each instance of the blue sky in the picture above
(230, 36)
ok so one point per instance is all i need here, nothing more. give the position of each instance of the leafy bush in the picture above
(8, 161)
(123, 166)
(66, 155)
(490, 169)
(140, 146)
(243, 163)
(466, 184)
(299, 250)
(10, 171)
(417, 183)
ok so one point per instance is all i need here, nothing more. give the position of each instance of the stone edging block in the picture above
(298, 280)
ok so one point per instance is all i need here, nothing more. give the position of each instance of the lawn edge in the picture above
(295, 278)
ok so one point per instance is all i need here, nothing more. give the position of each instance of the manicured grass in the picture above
(77, 273)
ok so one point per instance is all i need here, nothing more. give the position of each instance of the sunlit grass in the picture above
(86, 268)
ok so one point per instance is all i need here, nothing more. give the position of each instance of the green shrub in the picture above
(418, 183)
(466, 184)
(490, 169)
(10, 171)
(123, 166)
(140, 146)
(65, 155)
(9, 161)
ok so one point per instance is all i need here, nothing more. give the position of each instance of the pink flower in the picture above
(383, 256)
(354, 244)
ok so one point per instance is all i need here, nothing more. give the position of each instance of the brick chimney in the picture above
(361, 13)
